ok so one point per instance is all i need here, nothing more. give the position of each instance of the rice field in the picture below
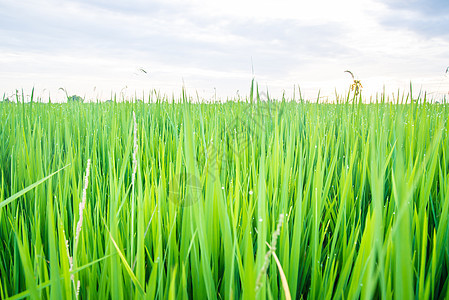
(266, 200)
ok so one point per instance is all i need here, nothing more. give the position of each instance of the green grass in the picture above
(363, 190)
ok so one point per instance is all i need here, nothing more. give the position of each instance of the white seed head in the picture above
(82, 204)
(136, 148)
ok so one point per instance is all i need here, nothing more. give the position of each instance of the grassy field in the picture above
(183, 200)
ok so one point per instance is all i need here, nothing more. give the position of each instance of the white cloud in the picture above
(212, 45)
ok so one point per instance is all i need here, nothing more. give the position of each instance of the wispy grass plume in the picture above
(79, 226)
(271, 250)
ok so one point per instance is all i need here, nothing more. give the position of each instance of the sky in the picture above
(214, 49)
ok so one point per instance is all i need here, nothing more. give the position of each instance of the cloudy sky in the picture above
(98, 47)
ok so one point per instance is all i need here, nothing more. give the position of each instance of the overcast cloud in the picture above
(93, 48)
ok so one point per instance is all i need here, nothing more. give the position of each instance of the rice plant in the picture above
(241, 199)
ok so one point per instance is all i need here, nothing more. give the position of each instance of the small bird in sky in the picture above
(140, 71)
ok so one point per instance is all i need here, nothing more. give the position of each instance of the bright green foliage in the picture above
(364, 190)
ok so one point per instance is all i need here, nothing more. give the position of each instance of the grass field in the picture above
(194, 200)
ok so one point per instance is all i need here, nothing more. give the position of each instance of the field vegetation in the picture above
(242, 199)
